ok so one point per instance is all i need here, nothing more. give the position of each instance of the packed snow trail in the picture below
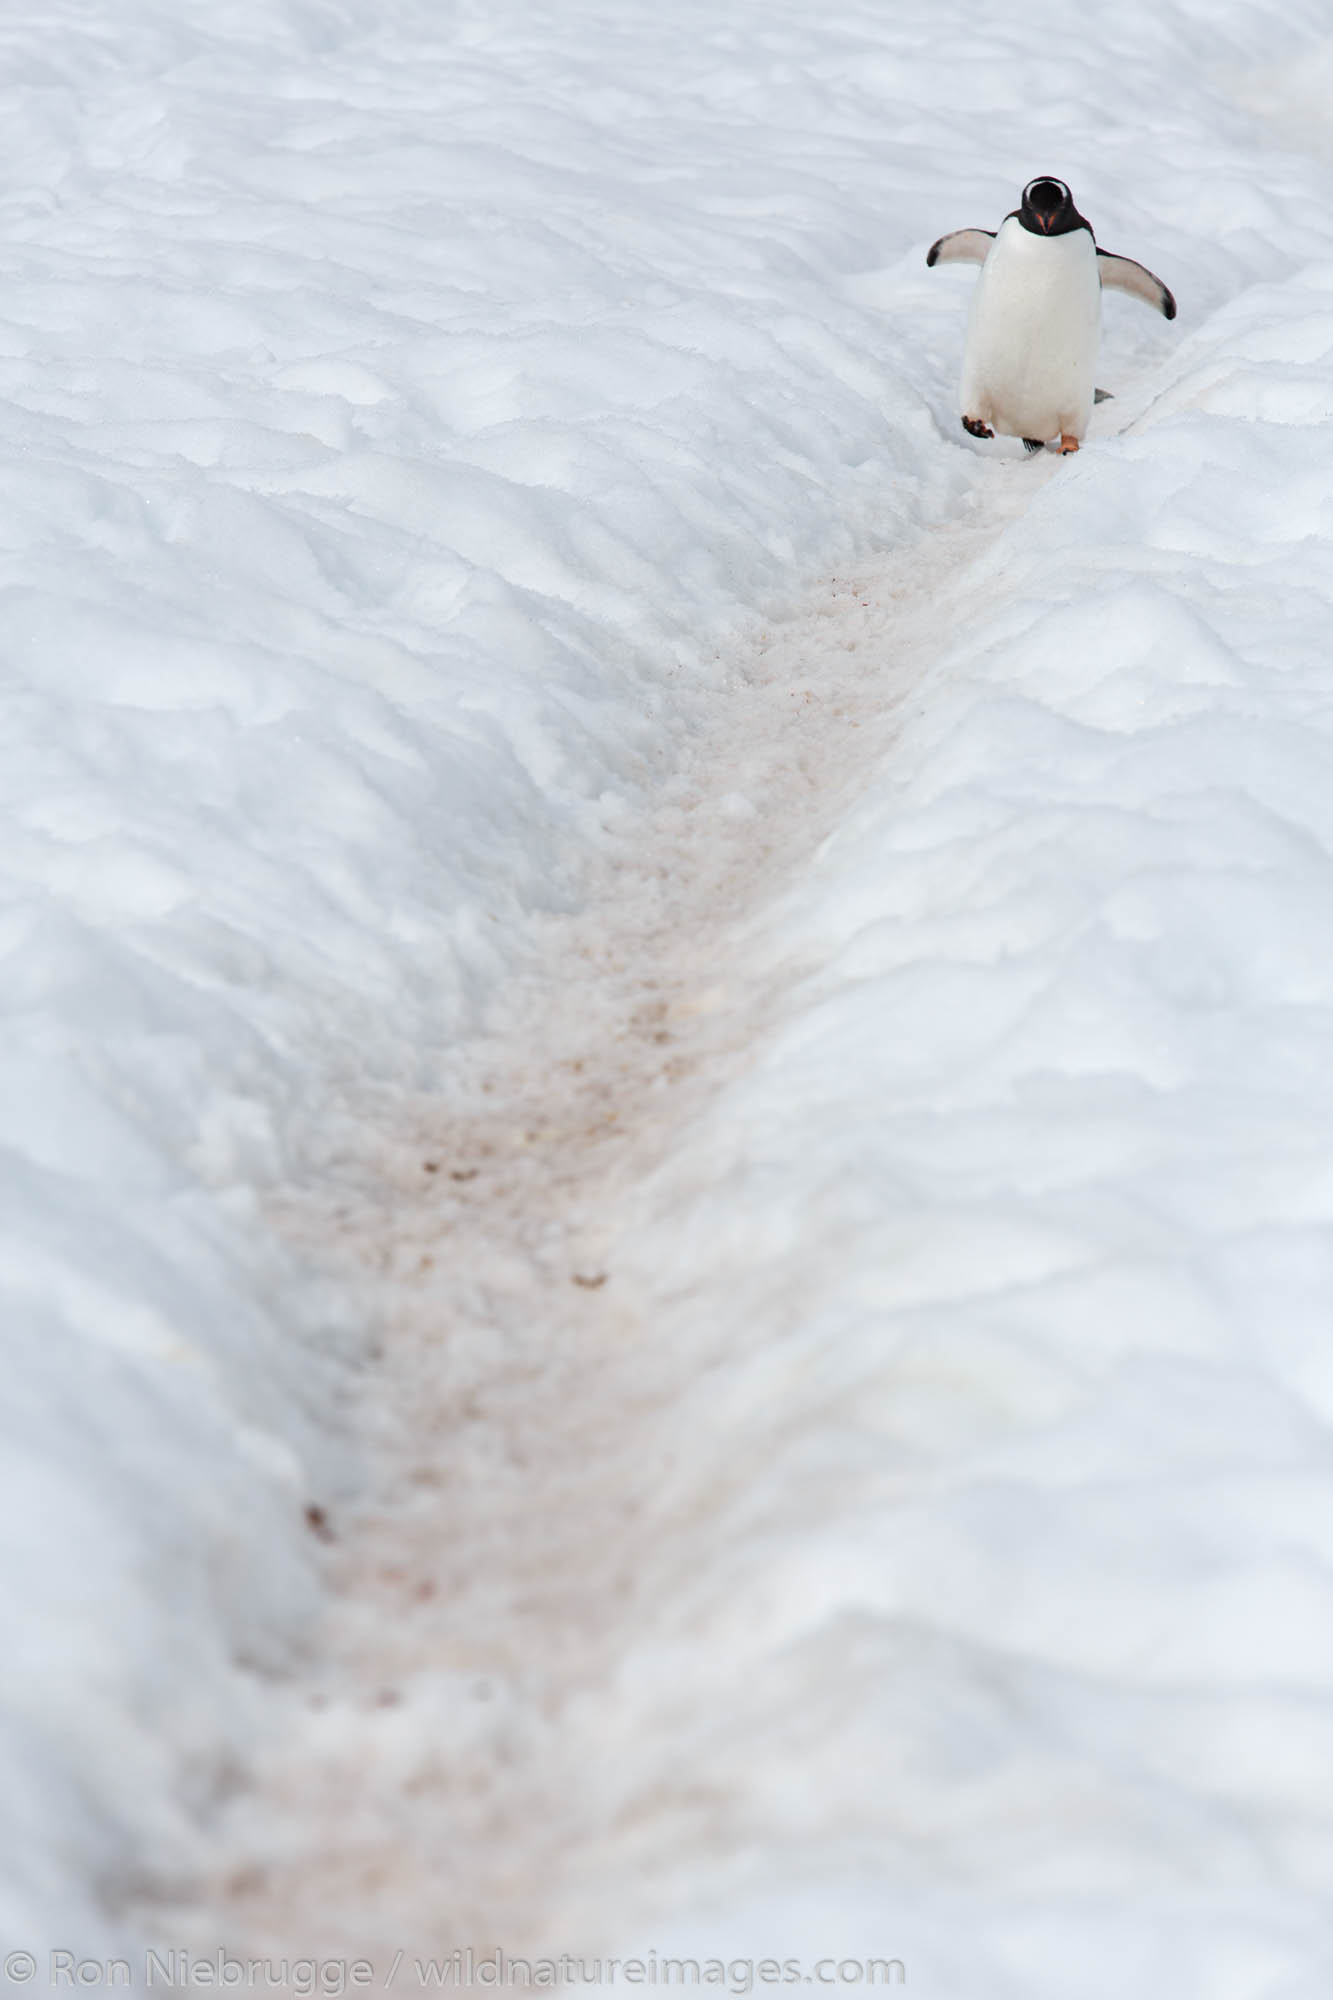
(439, 1778)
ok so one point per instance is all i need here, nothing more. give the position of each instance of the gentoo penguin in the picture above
(1036, 316)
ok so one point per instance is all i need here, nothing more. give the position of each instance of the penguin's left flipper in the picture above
(965, 246)
(1122, 274)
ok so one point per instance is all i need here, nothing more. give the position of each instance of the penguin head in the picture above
(1048, 208)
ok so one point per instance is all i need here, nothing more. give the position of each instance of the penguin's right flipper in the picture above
(1122, 274)
(965, 246)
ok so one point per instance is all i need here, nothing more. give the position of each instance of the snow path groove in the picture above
(438, 1776)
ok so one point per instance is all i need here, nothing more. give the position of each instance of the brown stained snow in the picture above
(451, 1768)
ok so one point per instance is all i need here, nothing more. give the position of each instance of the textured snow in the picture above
(409, 417)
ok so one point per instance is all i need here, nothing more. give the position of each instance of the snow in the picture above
(1056, 1097)
(436, 443)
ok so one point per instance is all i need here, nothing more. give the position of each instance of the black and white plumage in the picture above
(1035, 323)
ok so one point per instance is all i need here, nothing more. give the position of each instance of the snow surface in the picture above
(411, 414)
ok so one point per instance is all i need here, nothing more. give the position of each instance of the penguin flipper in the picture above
(965, 246)
(1103, 396)
(1122, 274)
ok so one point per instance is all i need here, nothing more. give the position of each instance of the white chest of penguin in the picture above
(1032, 335)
